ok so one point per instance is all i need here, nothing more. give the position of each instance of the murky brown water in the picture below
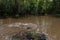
(46, 24)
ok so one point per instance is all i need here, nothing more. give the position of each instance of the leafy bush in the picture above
(30, 36)
(14, 8)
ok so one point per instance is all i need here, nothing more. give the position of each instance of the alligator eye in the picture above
(28, 28)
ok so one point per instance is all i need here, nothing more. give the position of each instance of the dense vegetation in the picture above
(16, 8)
(30, 36)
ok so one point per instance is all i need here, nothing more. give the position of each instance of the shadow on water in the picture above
(20, 16)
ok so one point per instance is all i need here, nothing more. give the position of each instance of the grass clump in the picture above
(30, 36)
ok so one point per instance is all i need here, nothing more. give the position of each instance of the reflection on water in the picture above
(43, 24)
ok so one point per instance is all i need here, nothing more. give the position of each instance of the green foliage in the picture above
(56, 9)
(31, 7)
(30, 36)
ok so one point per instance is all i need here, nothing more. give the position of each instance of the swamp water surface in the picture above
(45, 24)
